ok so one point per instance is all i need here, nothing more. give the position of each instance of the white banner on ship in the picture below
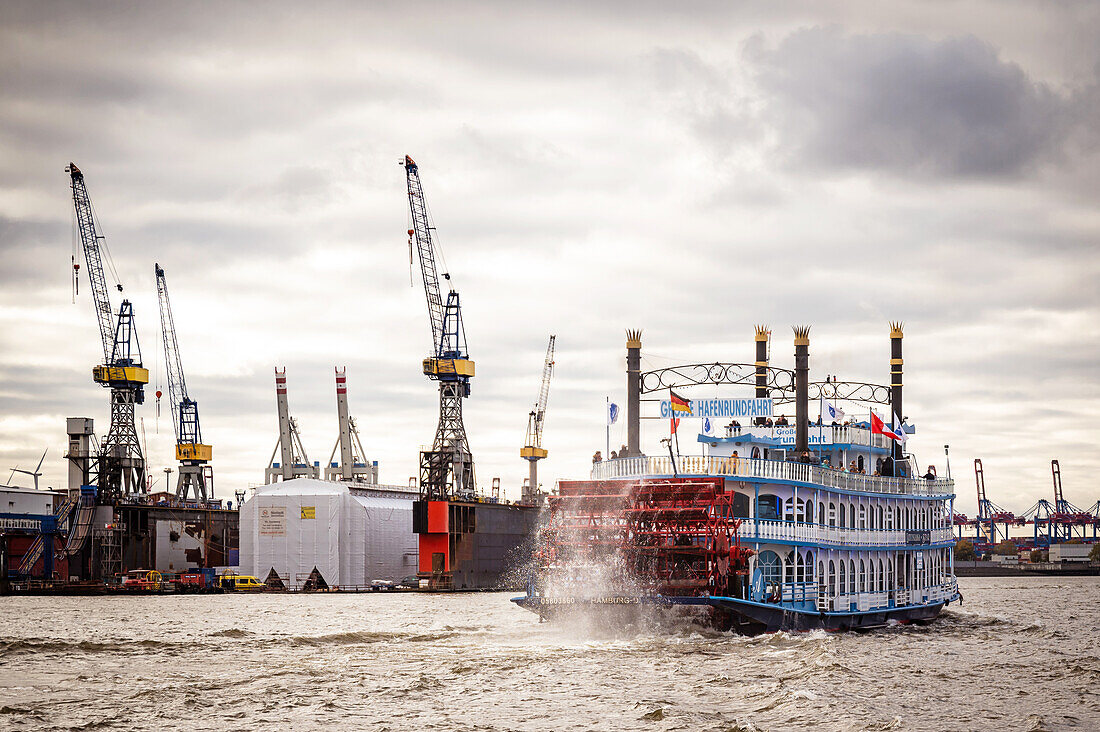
(727, 408)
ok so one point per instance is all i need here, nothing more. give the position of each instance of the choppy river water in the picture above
(1020, 654)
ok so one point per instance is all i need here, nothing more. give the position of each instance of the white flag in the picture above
(708, 427)
(612, 413)
(899, 429)
(832, 413)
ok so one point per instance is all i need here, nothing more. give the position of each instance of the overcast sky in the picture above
(689, 169)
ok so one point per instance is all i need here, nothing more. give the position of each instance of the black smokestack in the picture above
(802, 391)
(633, 392)
(763, 335)
(896, 366)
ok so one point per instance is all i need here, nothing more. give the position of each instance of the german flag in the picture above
(679, 404)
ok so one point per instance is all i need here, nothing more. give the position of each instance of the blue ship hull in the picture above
(731, 613)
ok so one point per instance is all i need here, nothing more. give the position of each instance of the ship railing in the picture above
(759, 469)
(774, 530)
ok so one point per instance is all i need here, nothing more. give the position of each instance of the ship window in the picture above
(862, 516)
(878, 515)
(832, 514)
(771, 570)
(740, 505)
(809, 517)
(852, 516)
(843, 579)
(870, 575)
(809, 566)
(843, 514)
(821, 512)
(859, 463)
(832, 578)
(767, 507)
(852, 576)
(794, 566)
(788, 510)
(862, 576)
(820, 573)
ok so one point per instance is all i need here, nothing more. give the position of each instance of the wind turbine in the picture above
(33, 473)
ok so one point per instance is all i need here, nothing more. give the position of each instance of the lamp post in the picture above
(947, 454)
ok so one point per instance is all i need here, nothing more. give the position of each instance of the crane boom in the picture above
(185, 411)
(89, 240)
(422, 233)
(535, 420)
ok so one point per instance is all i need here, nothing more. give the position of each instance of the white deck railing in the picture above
(770, 530)
(746, 468)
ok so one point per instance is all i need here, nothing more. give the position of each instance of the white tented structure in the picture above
(350, 536)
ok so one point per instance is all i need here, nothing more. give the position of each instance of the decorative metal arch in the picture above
(855, 391)
(699, 374)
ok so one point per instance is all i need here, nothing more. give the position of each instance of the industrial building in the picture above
(350, 535)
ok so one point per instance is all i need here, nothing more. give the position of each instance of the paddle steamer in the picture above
(812, 524)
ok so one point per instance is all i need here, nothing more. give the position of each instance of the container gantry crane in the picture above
(447, 470)
(120, 463)
(194, 475)
(533, 451)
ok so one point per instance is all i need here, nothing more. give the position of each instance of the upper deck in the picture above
(772, 470)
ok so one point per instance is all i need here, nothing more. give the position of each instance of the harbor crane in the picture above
(194, 474)
(120, 463)
(447, 469)
(293, 460)
(353, 466)
(533, 450)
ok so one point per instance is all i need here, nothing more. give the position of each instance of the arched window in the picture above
(852, 586)
(821, 512)
(788, 509)
(862, 576)
(820, 573)
(771, 569)
(843, 578)
(809, 517)
(809, 567)
(756, 453)
(862, 516)
(832, 578)
(859, 462)
(881, 578)
(852, 515)
(792, 563)
(842, 514)
(767, 507)
(871, 575)
(878, 515)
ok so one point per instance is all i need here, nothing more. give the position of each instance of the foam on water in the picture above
(1018, 656)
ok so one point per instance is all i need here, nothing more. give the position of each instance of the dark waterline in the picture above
(1020, 654)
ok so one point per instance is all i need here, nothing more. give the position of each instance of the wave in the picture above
(17, 646)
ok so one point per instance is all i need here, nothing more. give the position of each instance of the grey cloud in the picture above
(909, 104)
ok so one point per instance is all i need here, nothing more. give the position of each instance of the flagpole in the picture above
(607, 424)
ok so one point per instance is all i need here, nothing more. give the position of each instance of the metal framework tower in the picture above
(120, 464)
(447, 470)
(352, 466)
(533, 450)
(294, 462)
(195, 475)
